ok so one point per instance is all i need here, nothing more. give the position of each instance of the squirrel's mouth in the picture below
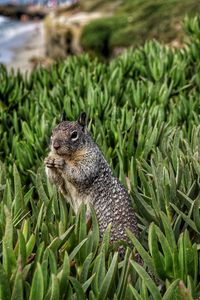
(60, 152)
(56, 151)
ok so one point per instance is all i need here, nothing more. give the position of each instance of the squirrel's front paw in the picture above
(49, 162)
(59, 163)
(54, 162)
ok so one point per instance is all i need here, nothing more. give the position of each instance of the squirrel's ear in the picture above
(82, 119)
(63, 116)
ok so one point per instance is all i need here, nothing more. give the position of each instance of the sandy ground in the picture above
(34, 47)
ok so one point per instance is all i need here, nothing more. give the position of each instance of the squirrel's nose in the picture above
(56, 145)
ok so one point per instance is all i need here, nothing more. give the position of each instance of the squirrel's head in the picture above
(69, 137)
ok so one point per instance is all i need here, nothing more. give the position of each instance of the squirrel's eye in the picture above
(74, 136)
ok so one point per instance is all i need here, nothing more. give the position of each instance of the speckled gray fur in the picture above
(79, 170)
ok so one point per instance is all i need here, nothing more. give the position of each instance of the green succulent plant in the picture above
(143, 111)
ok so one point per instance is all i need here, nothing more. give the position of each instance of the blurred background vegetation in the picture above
(106, 28)
(131, 23)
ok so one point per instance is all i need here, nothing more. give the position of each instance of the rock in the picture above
(63, 31)
(22, 11)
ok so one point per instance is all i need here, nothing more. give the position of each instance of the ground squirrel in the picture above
(78, 168)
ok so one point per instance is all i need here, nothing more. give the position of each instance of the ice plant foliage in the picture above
(144, 114)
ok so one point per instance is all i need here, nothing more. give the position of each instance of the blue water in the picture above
(22, 1)
(13, 34)
(41, 2)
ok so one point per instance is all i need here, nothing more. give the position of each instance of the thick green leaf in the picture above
(17, 292)
(157, 257)
(122, 285)
(147, 279)
(19, 200)
(5, 291)
(37, 285)
(172, 291)
(55, 292)
(79, 292)
(64, 274)
(9, 260)
(143, 253)
(87, 283)
(77, 249)
(109, 279)
(134, 292)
